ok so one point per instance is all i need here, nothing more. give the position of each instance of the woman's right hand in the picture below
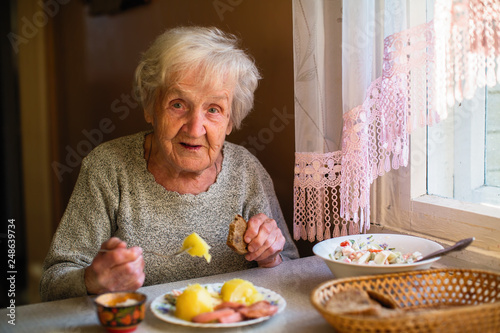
(118, 269)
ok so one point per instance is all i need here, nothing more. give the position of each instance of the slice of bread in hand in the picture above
(235, 240)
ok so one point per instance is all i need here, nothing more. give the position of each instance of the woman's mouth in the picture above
(190, 146)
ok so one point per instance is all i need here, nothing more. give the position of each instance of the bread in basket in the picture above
(437, 300)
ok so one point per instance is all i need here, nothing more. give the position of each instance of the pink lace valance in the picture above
(316, 197)
(425, 70)
(467, 46)
(375, 134)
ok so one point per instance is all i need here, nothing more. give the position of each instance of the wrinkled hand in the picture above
(117, 270)
(265, 241)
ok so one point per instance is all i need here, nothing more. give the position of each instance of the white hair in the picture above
(211, 52)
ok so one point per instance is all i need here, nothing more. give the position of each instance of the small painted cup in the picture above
(120, 312)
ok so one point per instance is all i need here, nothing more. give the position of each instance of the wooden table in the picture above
(294, 280)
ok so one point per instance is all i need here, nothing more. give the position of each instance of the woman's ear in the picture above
(229, 127)
(149, 117)
(151, 108)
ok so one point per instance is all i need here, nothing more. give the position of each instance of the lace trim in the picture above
(439, 62)
(456, 48)
(316, 197)
(375, 134)
(467, 40)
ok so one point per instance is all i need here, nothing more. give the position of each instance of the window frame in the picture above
(400, 203)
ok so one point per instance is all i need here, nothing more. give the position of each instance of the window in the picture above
(450, 190)
(463, 151)
(493, 137)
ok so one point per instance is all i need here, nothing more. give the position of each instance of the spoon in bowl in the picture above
(460, 245)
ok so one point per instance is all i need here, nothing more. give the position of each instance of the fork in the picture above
(167, 256)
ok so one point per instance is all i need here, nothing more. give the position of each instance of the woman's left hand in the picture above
(265, 241)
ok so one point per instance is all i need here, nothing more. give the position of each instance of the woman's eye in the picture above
(177, 105)
(213, 110)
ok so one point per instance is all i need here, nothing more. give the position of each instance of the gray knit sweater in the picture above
(115, 195)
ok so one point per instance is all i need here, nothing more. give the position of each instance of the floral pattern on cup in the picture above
(116, 315)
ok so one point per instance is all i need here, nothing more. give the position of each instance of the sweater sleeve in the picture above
(85, 225)
(262, 199)
(290, 250)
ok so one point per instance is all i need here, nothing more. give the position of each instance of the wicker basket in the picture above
(457, 300)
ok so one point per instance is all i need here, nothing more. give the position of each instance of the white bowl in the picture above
(401, 243)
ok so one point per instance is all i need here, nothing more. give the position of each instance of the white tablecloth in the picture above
(294, 280)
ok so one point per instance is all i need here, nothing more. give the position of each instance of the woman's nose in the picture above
(195, 124)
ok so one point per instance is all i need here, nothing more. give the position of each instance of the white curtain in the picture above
(318, 118)
(394, 77)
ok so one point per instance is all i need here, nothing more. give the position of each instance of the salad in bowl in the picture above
(366, 251)
(369, 254)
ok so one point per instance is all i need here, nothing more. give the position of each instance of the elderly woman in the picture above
(146, 192)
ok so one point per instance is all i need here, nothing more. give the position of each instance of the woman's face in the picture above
(191, 124)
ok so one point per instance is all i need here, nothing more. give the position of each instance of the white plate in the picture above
(165, 311)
